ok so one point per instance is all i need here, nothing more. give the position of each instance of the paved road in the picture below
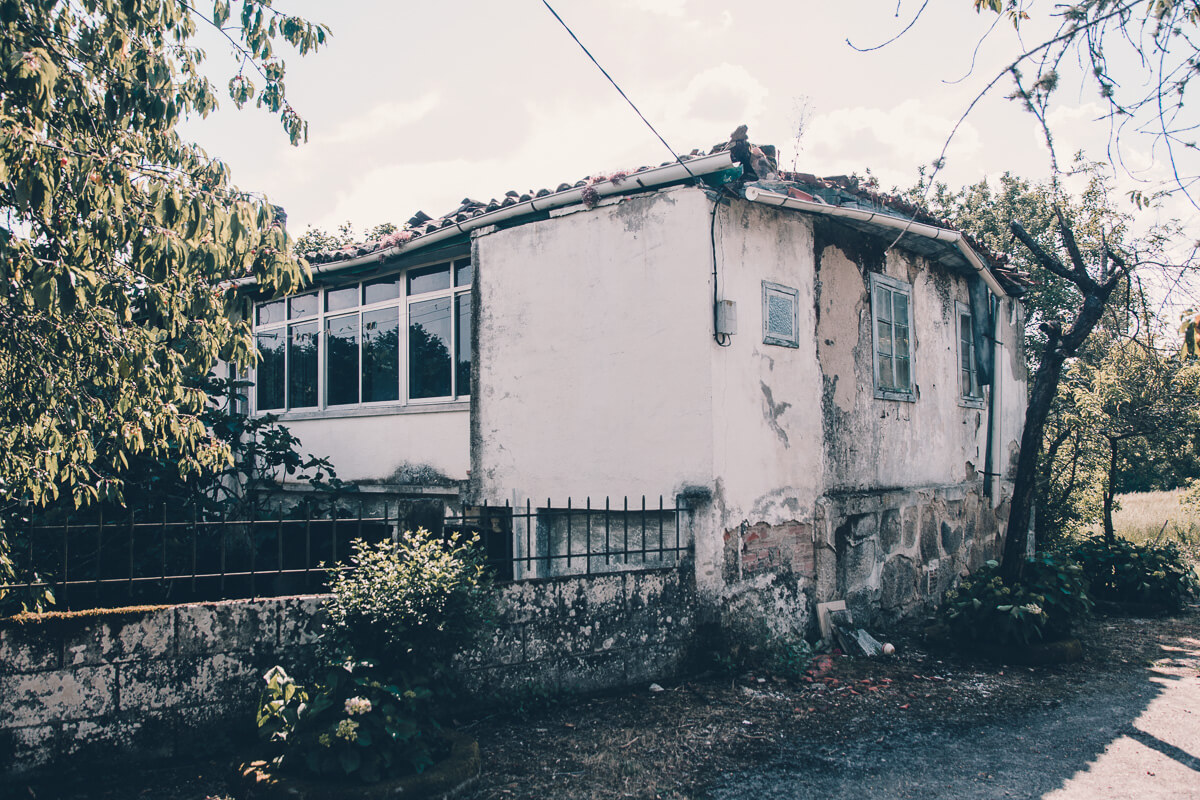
(1120, 739)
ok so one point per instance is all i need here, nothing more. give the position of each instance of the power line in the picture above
(617, 87)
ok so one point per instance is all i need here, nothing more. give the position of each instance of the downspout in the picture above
(989, 469)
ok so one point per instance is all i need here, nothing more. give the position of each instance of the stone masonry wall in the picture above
(130, 686)
(891, 554)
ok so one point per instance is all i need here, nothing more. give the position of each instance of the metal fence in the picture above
(177, 558)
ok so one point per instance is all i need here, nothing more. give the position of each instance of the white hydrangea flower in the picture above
(358, 705)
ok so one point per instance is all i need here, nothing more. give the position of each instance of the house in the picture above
(830, 385)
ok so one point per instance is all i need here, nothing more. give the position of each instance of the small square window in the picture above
(891, 322)
(781, 315)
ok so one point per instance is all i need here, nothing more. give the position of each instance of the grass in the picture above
(1157, 517)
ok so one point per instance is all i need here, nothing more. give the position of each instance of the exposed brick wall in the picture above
(131, 686)
(761, 548)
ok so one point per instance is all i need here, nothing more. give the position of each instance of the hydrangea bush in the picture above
(397, 615)
(1050, 598)
(1120, 571)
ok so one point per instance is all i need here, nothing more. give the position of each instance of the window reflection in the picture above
(381, 355)
(429, 348)
(341, 360)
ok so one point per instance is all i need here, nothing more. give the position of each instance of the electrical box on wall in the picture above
(726, 317)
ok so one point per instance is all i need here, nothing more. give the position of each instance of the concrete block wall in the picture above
(129, 686)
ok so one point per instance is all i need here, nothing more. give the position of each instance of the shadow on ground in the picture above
(1134, 735)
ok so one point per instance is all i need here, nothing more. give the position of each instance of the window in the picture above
(969, 389)
(400, 337)
(891, 315)
(781, 315)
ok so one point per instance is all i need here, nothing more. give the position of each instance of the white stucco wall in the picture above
(767, 432)
(375, 447)
(593, 333)
(599, 374)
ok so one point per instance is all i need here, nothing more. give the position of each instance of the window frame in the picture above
(893, 287)
(770, 337)
(976, 400)
(402, 303)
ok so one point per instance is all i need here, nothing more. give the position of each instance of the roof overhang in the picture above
(940, 245)
(647, 179)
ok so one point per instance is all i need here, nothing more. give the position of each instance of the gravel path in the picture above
(1119, 738)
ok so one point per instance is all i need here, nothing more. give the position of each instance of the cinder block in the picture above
(29, 648)
(28, 751)
(148, 635)
(221, 680)
(225, 627)
(299, 620)
(43, 698)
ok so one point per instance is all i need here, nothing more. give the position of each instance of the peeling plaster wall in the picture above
(593, 329)
(372, 448)
(129, 687)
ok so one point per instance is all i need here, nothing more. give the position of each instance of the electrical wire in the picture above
(617, 87)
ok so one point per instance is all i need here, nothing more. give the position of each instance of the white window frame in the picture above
(402, 303)
(973, 398)
(770, 290)
(893, 287)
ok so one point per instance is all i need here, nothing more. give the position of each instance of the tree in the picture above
(119, 238)
(1135, 395)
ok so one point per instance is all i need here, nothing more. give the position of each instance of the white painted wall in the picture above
(373, 448)
(593, 332)
(598, 372)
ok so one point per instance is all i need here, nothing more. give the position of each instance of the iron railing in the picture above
(179, 558)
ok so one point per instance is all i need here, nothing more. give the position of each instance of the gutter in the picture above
(756, 195)
(647, 179)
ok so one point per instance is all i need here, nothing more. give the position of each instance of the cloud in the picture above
(383, 118)
(724, 94)
(666, 8)
(892, 140)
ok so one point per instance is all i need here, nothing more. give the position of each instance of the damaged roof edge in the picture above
(656, 176)
(757, 195)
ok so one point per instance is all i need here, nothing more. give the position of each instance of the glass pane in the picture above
(964, 353)
(901, 306)
(345, 297)
(304, 305)
(381, 355)
(270, 312)
(462, 273)
(966, 382)
(901, 340)
(462, 340)
(903, 379)
(884, 339)
(429, 279)
(272, 370)
(885, 374)
(302, 365)
(381, 289)
(341, 359)
(883, 304)
(779, 316)
(429, 348)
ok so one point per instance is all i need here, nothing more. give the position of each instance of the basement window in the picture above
(781, 315)
(891, 317)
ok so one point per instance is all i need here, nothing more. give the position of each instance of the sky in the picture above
(419, 105)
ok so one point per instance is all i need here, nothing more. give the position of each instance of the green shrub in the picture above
(1122, 571)
(396, 618)
(1050, 598)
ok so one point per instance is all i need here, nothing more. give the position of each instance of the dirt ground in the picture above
(747, 735)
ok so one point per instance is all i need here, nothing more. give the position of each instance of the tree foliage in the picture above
(1139, 56)
(118, 237)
